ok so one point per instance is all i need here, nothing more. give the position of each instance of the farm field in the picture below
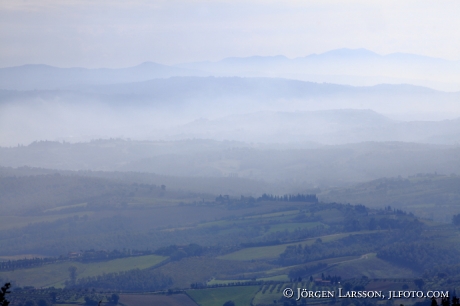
(201, 245)
(267, 252)
(56, 274)
(272, 294)
(290, 227)
(370, 266)
(156, 299)
(240, 295)
(276, 214)
(203, 269)
(283, 271)
(11, 222)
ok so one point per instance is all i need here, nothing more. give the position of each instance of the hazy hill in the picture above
(294, 168)
(233, 108)
(359, 67)
(427, 195)
(326, 127)
(44, 77)
(228, 95)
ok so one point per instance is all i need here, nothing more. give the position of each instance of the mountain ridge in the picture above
(356, 67)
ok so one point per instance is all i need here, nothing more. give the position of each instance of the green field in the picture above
(152, 299)
(9, 222)
(65, 207)
(281, 273)
(224, 281)
(278, 278)
(273, 251)
(371, 266)
(57, 274)
(249, 220)
(277, 214)
(241, 295)
(269, 293)
(290, 227)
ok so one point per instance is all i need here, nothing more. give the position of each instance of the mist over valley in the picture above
(241, 176)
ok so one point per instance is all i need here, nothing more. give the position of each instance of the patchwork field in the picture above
(268, 252)
(372, 267)
(56, 274)
(202, 269)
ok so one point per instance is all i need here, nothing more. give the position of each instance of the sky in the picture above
(120, 33)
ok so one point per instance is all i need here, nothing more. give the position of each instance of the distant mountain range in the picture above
(358, 67)
(256, 99)
(221, 96)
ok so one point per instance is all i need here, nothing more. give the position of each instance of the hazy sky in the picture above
(119, 33)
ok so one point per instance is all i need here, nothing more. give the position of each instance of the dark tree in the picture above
(229, 303)
(73, 275)
(445, 301)
(53, 296)
(115, 298)
(90, 302)
(3, 292)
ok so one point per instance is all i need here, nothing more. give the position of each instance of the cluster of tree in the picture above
(3, 292)
(294, 255)
(306, 271)
(52, 296)
(178, 252)
(351, 245)
(444, 302)
(111, 300)
(133, 280)
(84, 256)
(312, 198)
(420, 255)
(11, 265)
(98, 255)
(354, 224)
(38, 194)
